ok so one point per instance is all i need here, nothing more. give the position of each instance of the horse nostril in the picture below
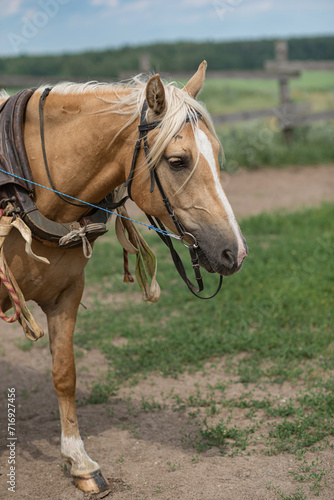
(228, 258)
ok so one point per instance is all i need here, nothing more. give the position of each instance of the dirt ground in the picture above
(141, 453)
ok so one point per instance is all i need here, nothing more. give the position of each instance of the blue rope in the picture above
(166, 233)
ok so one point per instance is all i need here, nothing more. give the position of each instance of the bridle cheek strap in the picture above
(143, 128)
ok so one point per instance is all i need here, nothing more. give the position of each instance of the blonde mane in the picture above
(179, 107)
(3, 96)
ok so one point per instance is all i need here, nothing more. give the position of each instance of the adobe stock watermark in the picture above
(11, 439)
(32, 24)
(224, 7)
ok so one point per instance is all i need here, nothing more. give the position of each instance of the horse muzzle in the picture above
(224, 262)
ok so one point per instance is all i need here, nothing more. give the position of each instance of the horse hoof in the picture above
(93, 482)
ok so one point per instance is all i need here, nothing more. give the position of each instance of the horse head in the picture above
(184, 150)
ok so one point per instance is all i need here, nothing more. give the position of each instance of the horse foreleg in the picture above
(61, 315)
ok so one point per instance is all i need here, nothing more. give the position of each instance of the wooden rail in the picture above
(299, 66)
(287, 118)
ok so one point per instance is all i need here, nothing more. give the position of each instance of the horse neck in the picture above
(77, 140)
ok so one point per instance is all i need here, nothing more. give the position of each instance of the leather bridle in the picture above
(144, 127)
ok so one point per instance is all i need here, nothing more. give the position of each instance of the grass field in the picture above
(313, 87)
(258, 359)
(279, 308)
(260, 142)
(272, 323)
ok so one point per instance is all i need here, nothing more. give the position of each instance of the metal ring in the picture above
(194, 244)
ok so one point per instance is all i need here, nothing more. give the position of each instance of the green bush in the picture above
(261, 143)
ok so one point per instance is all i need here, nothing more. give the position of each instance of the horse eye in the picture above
(176, 162)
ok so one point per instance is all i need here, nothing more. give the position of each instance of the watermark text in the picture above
(11, 439)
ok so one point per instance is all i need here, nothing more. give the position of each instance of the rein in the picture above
(156, 223)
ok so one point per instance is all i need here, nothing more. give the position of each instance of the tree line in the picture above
(168, 57)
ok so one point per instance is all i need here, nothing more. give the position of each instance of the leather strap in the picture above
(143, 128)
(46, 165)
(179, 265)
(13, 156)
(15, 177)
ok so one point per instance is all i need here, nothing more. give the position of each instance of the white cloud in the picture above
(261, 6)
(287, 5)
(105, 3)
(10, 7)
(197, 3)
(122, 7)
(137, 5)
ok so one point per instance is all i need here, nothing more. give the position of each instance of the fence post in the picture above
(281, 50)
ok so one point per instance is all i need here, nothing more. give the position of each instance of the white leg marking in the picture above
(73, 450)
(204, 147)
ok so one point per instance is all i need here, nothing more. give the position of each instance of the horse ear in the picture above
(155, 95)
(196, 82)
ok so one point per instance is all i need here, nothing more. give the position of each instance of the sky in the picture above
(67, 26)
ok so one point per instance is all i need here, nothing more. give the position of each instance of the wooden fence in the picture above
(289, 115)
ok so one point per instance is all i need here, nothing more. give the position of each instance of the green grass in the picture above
(260, 143)
(226, 96)
(286, 426)
(312, 475)
(315, 89)
(314, 81)
(278, 309)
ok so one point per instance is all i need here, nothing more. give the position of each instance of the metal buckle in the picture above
(193, 245)
(5, 201)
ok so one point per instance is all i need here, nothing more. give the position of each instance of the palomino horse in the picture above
(90, 132)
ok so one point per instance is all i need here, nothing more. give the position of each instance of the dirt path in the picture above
(268, 189)
(132, 446)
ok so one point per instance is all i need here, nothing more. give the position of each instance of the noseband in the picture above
(156, 223)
